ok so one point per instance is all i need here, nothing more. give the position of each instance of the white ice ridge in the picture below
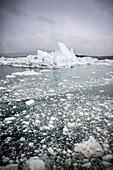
(90, 148)
(62, 57)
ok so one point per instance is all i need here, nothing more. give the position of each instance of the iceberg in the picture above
(62, 57)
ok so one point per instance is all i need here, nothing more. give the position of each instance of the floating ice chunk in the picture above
(65, 130)
(25, 122)
(86, 165)
(26, 73)
(16, 94)
(51, 126)
(29, 102)
(107, 164)
(69, 151)
(68, 163)
(37, 121)
(31, 144)
(70, 125)
(53, 118)
(108, 157)
(64, 152)
(10, 76)
(22, 139)
(50, 150)
(9, 119)
(2, 88)
(6, 159)
(14, 107)
(43, 146)
(11, 167)
(90, 148)
(45, 127)
(8, 139)
(45, 70)
(34, 163)
(51, 90)
(98, 129)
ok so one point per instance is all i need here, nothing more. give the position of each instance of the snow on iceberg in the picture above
(62, 57)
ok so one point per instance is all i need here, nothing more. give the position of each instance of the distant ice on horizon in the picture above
(62, 57)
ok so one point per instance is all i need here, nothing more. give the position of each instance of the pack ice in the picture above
(62, 57)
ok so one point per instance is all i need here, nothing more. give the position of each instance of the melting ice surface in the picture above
(62, 57)
(49, 112)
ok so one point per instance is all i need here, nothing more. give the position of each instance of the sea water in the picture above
(53, 110)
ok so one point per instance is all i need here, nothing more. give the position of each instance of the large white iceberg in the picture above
(62, 57)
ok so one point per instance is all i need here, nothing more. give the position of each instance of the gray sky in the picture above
(84, 25)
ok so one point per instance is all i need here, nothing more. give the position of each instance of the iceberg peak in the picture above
(62, 49)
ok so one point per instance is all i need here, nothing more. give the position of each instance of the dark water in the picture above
(82, 95)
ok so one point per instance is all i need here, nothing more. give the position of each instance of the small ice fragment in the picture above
(37, 121)
(64, 152)
(26, 73)
(51, 126)
(98, 129)
(36, 151)
(43, 146)
(14, 107)
(2, 88)
(70, 125)
(108, 157)
(69, 151)
(65, 130)
(27, 116)
(44, 70)
(68, 163)
(22, 139)
(11, 167)
(51, 90)
(16, 94)
(31, 144)
(29, 102)
(50, 150)
(34, 163)
(6, 159)
(10, 76)
(107, 164)
(9, 119)
(53, 118)
(86, 165)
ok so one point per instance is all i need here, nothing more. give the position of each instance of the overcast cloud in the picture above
(84, 25)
